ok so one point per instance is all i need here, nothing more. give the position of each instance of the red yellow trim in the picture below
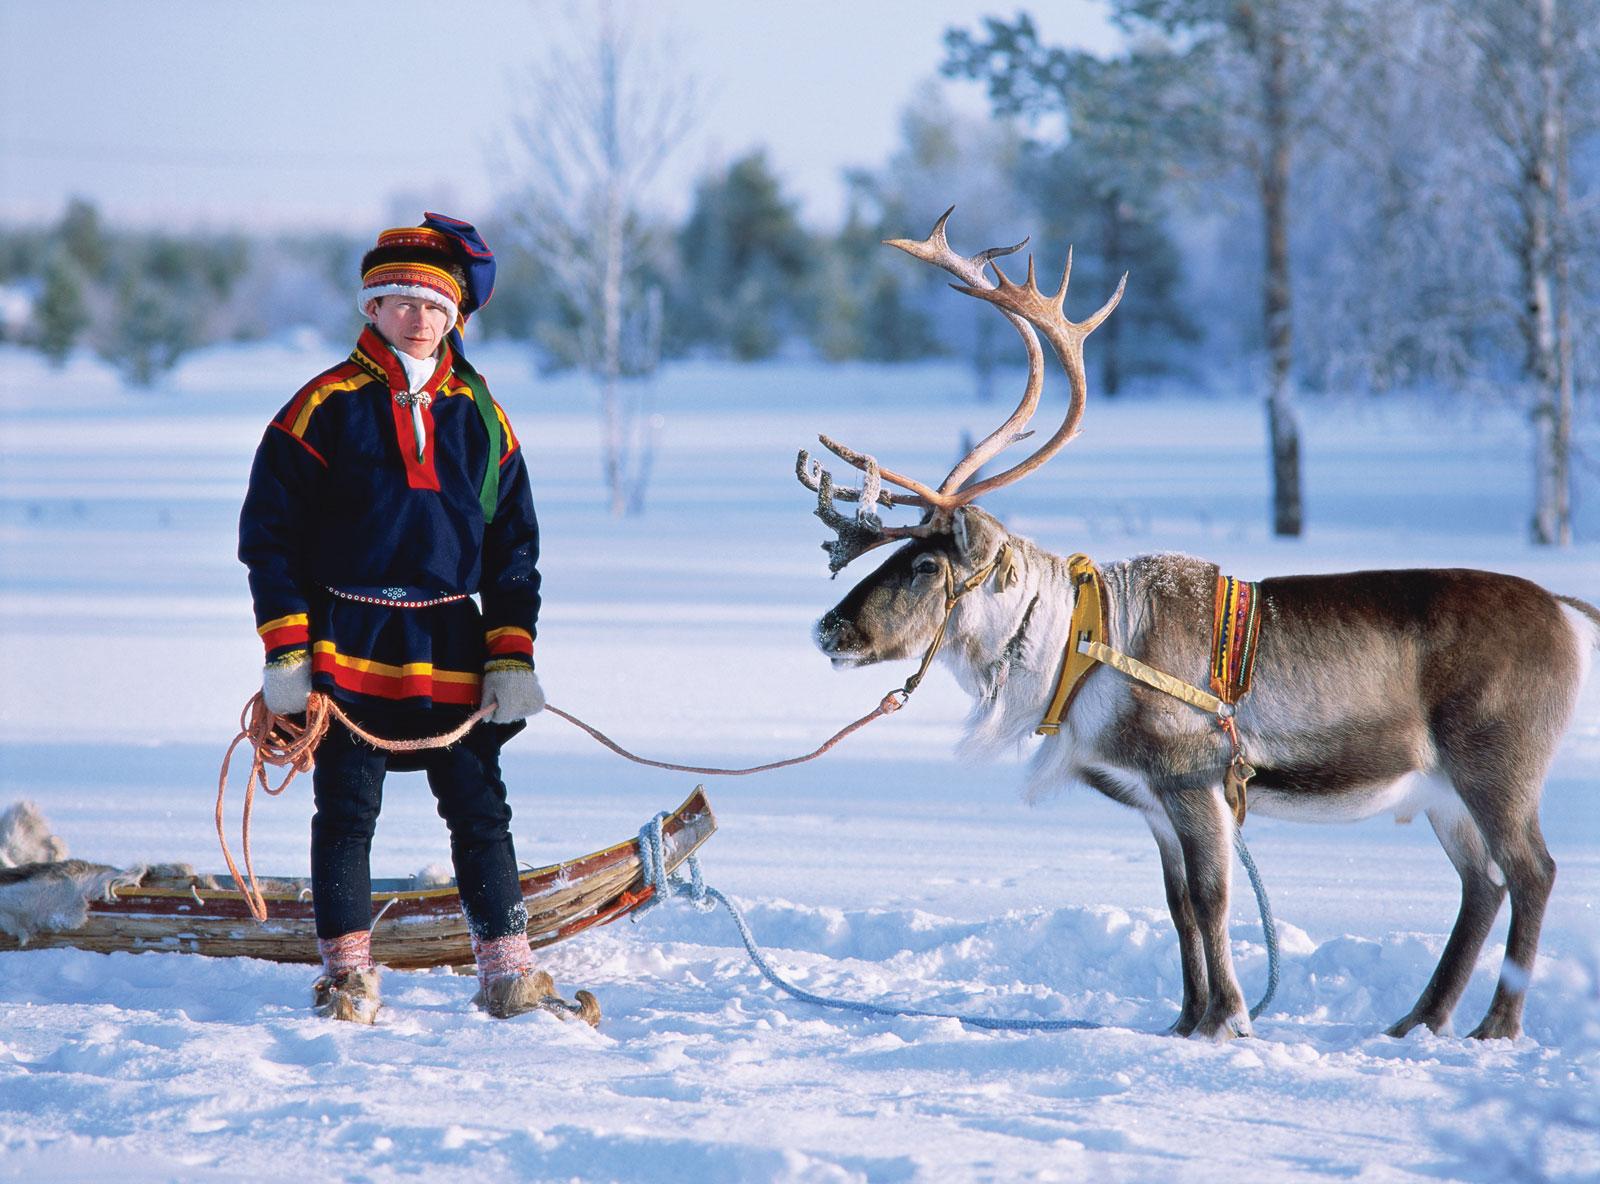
(420, 274)
(413, 680)
(505, 426)
(311, 396)
(416, 236)
(508, 639)
(293, 629)
(298, 418)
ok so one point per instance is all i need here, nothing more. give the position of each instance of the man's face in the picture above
(411, 325)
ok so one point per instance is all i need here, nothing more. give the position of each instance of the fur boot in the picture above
(351, 995)
(534, 990)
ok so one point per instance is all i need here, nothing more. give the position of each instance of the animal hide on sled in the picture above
(42, 890)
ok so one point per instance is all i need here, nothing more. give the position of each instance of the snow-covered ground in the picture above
(886, 871)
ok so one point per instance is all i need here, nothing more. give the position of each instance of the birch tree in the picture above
(1534, 66)
(1236, 83)
(1261, 70)
(604, 114)
(1097, 170)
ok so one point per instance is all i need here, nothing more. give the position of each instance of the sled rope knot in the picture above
(663, 885)
(279, 741)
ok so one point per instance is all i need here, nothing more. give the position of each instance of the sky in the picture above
(290, 114)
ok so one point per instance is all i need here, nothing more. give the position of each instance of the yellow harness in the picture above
(1237, 623)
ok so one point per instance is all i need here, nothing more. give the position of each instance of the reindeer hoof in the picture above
(1438, 1025)
(1229, 1027)
(1494, 1028)
(1184, 1025)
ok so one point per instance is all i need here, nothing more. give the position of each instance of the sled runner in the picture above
(413, 927)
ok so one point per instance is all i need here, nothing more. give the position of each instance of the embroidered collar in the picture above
(372, 354)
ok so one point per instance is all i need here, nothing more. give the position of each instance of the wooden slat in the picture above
(420, 928)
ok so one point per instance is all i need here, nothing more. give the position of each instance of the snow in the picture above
(886, 871)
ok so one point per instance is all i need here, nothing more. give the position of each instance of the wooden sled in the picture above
(412, 928)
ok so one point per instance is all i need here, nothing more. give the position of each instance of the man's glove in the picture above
(286, 683)
(515, 692)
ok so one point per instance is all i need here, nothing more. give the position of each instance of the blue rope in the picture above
(652, 854)
(1269, 931)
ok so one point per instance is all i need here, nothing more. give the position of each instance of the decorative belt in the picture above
(395, 597)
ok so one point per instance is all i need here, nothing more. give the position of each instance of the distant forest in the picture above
(1346, 196)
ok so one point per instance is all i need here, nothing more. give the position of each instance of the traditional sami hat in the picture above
(413, 261)
(475, 257)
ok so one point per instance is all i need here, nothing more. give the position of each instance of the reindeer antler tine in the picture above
(933, 249)
(807, 468)
(983, 257)
(1066, 279)
(1100, 314)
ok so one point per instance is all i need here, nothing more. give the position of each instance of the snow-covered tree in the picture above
(1537, 79)
(1096, 173)
(61, 314)
(606, 108)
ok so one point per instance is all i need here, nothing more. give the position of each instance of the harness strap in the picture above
(1001, 567)
(1088, 624)
(1233, 637)
(1150, 676)
(1235, 631)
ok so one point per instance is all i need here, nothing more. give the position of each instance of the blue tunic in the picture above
(365, 549)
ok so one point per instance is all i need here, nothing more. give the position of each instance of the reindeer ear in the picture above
(978, 536)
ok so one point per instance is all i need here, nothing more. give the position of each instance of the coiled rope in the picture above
(704, 898)
(280, 742)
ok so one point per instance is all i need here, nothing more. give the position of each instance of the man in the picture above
(388, 492)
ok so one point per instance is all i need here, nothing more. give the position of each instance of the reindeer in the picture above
(1443, 692)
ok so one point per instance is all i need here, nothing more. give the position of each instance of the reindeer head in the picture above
(898, 609)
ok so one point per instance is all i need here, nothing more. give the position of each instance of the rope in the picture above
(891, 703)
(704, 898)
(1269, 931)
(278, 741)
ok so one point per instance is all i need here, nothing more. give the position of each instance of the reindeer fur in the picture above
(1404, 692)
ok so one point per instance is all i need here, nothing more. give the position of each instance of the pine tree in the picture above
(61, 315)
(1099, 185)
(745, 261)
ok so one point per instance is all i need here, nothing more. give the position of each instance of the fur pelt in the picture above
(38, 897)
(41, 890)
(25, 837)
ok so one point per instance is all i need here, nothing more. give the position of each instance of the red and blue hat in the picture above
(444, 261)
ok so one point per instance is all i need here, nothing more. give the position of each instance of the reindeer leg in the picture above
(1191, 951)
(1530, 874)
(1205, 828)
(1481, 894)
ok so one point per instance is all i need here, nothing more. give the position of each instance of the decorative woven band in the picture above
(1234, 633)
(398, 599)
(502, 957)
(348, 951)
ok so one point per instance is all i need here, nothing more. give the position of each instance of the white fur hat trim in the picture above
(432, 295)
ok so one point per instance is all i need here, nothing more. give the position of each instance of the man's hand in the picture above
(515, 692)
(286, 683)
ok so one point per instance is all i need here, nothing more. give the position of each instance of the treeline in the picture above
(1313, 194)
(741, 278)
(142, 299)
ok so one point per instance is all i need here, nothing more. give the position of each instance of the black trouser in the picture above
(471, 797)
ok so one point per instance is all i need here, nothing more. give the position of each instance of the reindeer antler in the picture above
(1027, 309)
(862, 531)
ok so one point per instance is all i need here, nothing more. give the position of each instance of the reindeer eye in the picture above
(926, 565)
